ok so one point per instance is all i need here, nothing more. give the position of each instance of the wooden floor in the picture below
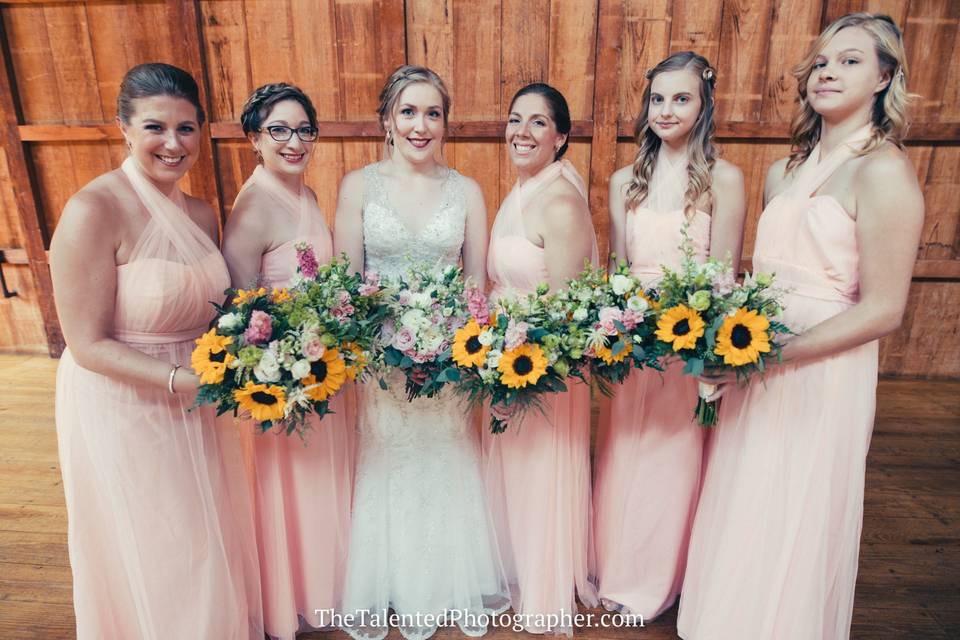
(909, 583)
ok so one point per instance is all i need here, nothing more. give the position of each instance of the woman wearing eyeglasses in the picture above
(302, 493)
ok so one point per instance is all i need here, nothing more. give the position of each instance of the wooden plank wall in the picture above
(64, 62)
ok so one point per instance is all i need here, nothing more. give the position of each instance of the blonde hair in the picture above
(701, 152)
(403, 77)
(889, 116)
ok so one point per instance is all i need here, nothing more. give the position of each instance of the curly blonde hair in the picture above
(889, 117)
(701, 152)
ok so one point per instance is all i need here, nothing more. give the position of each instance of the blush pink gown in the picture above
(649, 450)
(773, 552)
(537, 473)
(302, 492)
(159, 528)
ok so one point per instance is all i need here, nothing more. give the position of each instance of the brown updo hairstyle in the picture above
(262, 100)
(156, 79)
(556, 103)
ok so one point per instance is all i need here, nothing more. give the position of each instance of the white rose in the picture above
(493, 358)
(638, 304)
(300, 369)
(268, 369)
(485, 338)
(579, 314)
(620, 283)
(432, 341)
(229, 321)
(421, 299)
(413, 318)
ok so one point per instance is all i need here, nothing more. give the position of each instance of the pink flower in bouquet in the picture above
(609, 316)
(405, 297)
(372, 277)
(404, 339)
(516, 334)
(630, 319)
(313, 348)
(724, 283)
(425, 356)
(259, 329)
(306, 260)
(344, 298)
(387, 331)
(418, 375)
(477, 305)
(368, 289)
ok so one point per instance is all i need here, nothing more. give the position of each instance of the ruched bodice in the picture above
(654, 227)
(390, 247)
(810, 242)
(514, 263)
(163, 301)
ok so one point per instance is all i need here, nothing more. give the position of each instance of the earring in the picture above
(389, 139)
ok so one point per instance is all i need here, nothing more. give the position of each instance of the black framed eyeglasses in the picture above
(281, 133)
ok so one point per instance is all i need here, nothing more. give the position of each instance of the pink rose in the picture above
(344, 297)
(630, 319)
(259, 329)
(313, 349)
(608, 317)
(368, 289)
(405, 297)
(404, 339)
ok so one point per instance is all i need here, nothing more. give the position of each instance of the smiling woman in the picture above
(160, 539)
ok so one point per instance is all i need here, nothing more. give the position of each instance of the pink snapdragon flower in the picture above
(306, 260)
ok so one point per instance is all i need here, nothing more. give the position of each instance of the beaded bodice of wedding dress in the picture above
(421, 540)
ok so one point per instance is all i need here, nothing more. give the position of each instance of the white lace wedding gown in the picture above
(421, 541)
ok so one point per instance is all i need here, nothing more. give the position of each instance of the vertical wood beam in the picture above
(25, 196)
(603, 156)
(188, 14)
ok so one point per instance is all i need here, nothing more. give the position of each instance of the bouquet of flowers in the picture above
(612, 321)
(712, 322)
(278, 356)
(513, 355)
(422, 311)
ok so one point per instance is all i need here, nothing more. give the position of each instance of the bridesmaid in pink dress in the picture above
(649, 451)
(538, 473)
(159, 525)
(301, 491)
(773, 552)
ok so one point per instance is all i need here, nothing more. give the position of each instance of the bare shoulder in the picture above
(562, 205)
(727, 175)
(203, 214)
(470, 186)
(96, 206)
(621, 178)
(776, 178)
(887, 167)
(352, 184)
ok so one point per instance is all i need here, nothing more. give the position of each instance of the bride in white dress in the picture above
(422, 543)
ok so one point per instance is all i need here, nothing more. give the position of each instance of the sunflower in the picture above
(263, 402)
(681, 326)
(743, 337)
(654, 303)
(328, 373)
(210, 358)
(280, 295)
(605, 351)
(467, 350)
(246, 295)
(522, 366)
(359, 360)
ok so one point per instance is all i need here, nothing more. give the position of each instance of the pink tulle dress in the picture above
(649, 451)
(159, 526)
(302, 491)
(773, 552)
(537, 473)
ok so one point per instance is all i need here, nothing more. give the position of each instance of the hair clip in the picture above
(900, 73)
(708, 74)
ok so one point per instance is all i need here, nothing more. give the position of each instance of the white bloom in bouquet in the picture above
(493, 358)
(580, 314)
(414, 319)
(230, 322)
(421, 299)
(300, 369)
(637, 304)
(739, 297)
(621, 283)
(268, 369)
(488, 375)
(485, 338)
(431, 340)
(297, 397)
